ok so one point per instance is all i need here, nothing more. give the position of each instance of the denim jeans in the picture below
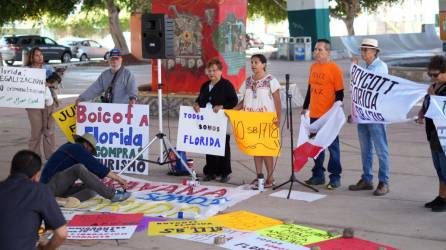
(439, 160)
(334, 164)
(374, 136)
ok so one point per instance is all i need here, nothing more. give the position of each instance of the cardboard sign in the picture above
(349, 244)
(101, 232)
(183, 227)
(144, 224)
(254, 241)
(244, 220)
(66, 119)
(255, 132)
(203, 132)
(22, 87)
(296, 234)
(228, 234)
(121, 131)
(106, 219)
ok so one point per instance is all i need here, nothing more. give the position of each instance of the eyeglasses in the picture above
(434, 75)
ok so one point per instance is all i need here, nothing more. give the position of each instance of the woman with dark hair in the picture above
(437, 71)
(260, 93)
(217, 93)
(42, 124)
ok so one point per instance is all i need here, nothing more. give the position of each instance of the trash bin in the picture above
(283, 48)
(301, 49)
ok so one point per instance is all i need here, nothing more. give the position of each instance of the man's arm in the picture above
(132, 90)
(118, 178)
(306, 101)
(59, 236)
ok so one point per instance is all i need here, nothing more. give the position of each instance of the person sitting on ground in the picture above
(25, 204)
(74, 161)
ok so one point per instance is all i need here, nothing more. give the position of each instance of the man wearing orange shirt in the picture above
(325, 87)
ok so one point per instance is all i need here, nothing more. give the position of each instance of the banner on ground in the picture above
(203, 132)
(437, 112)
(297, 234)
(121, 131)
(162, 228)
(167, 199)
(256, 133)
(227, 234)
(326, 128)
(382, 98)
(22, 87)
(66, 119)
(254, 241)
(244, 220)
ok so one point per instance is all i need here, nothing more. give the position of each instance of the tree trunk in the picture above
(115, 27)
(352, 8)
(349, 24)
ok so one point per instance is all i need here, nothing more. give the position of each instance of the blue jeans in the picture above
(374, 136)
(334, 164)
(439, 160)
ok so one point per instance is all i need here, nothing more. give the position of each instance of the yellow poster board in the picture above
(244, 220)
(255, 132)
(66, 119)
(297, 234)
(160, 228)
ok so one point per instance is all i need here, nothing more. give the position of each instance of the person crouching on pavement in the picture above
(74, 161)
(217, 93)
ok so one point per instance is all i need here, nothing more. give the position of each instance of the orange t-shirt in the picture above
(325, 79)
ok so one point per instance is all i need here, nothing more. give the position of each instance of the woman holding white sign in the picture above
(260, 93)
(217, 93)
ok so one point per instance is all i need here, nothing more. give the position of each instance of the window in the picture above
(94, 44)
(37, 41)
(49, 41)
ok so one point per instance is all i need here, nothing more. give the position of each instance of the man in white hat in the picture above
(373, 134)
(74, 161)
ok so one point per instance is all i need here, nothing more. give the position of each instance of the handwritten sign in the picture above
(254, 241)
(144, 224)
(296, 234)
(203, 132)
(350, 244)
(66, 119)
(244, 220)
(106, 219)
(183, 227)
(69, 214)
(121, 132)
(228, 234)
(101, 232)
(255, 132)
(22, 87)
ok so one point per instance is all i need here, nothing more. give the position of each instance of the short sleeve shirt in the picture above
(258, 95)
(325, 79)
(25, 204)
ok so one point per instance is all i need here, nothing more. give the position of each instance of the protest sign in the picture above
(227, 234)
(255, 132)
(121, 132)
(100, 232)
(244, 220)
(183, 227)
(69, 214)
(144, 224)
(22, 87)
(436, 111)
(254, 241)
(350, 244)
(167, 199)
(296, 234)
(382, 98)
(66, 119)
(203, 132)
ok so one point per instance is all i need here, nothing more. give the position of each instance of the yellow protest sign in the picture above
(244, 220)
(255, 132)
(66, 119)
(297, 234)
(159, 228)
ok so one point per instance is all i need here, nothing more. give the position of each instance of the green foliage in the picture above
(269, 9)
(342, 7)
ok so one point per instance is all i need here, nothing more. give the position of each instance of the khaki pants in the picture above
(42, 124)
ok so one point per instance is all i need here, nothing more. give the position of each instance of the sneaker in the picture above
(382, 189)
(440, 206)
(333, 185)
(361, 185)
(120, 196)
(225, 178)
(69, 202)
(315, 181)
(433, 203)
(208, 178)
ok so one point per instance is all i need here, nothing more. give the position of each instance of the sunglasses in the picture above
(434, 75)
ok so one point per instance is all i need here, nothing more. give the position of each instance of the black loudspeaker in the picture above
(157, 34)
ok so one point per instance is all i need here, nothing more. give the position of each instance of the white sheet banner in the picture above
(22, 87)
(203, 132)
(382, 98)
(436, 111)
(101, 232)
(121, 131)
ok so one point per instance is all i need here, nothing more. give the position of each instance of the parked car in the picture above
(87, 49)
(252, 41)
(11, 48)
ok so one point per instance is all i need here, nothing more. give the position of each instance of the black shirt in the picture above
(24, 204)
(431, 130)
(223, 93)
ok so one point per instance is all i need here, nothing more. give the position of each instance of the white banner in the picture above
(203, 132)
(121, 131)
(101, 232)
(436, 111)
(22, 87)
(382, 98)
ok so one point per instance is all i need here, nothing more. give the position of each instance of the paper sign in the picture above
(254, 241)
(66, 119)
(228, 234)
(349, 244)
(106, 219)
(101, 232)
(22, 87)
(121, 131)
(184, 227)
(144, 224)
(203, 132)
(69, 214)
(297, 195)
(255, 132)
(244, 220)
(296, 234)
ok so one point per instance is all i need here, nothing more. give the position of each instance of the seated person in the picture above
(25, 204)
(74, 161)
